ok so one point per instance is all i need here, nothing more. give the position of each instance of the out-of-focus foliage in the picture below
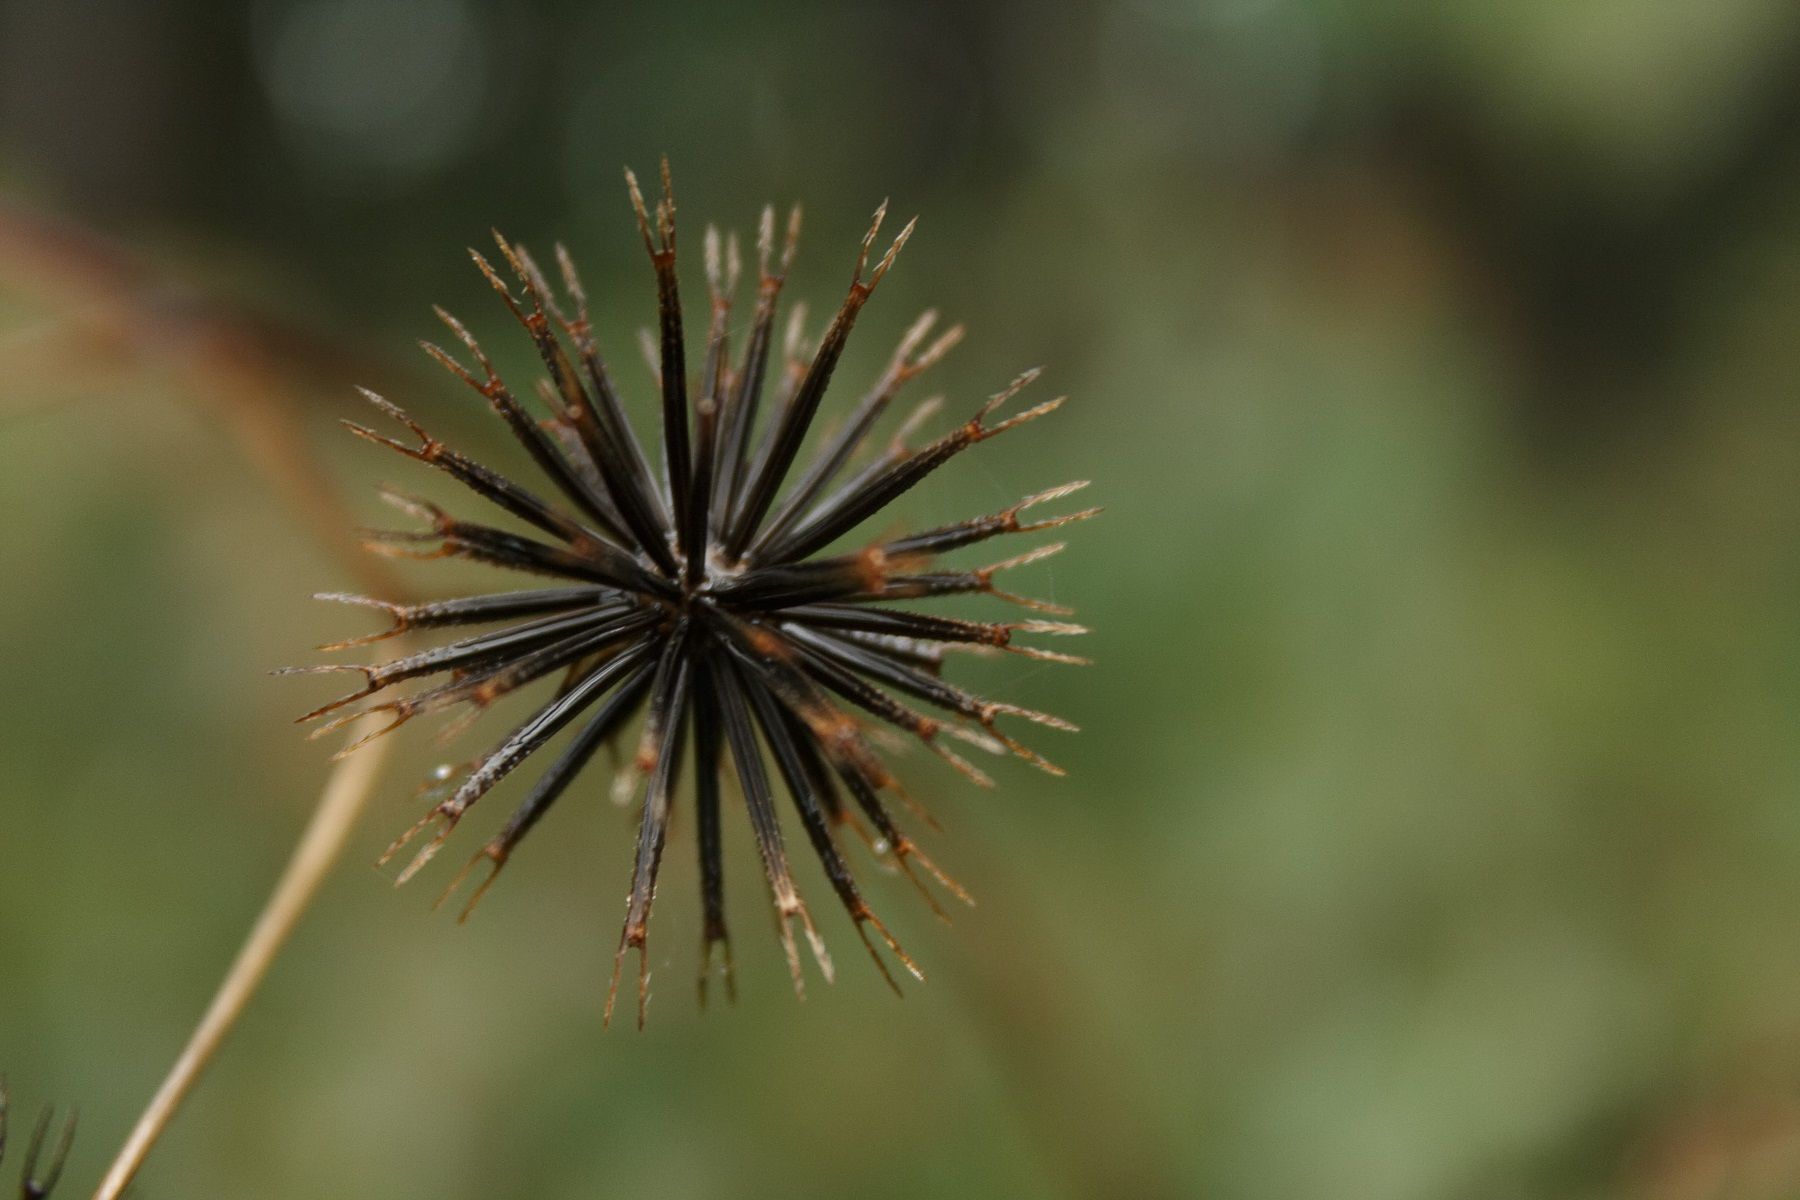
(1433, 827)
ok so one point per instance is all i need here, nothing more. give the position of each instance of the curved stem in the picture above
(345, 793)
(246, 364)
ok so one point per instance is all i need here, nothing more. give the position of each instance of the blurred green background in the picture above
(1433, 827)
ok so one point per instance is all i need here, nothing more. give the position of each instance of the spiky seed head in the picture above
(692, 593)
(38, 1175)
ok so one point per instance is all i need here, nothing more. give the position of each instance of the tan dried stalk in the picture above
(103, 297)
(346, 791)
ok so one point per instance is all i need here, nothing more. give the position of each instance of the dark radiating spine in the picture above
(767, 474)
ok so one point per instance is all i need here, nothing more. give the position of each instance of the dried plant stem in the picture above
(123, 314)
(346, 791)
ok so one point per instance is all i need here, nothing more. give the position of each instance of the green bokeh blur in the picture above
(1433, 824)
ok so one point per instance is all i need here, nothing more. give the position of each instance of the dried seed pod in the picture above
(693, 590)
(38, 1175)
